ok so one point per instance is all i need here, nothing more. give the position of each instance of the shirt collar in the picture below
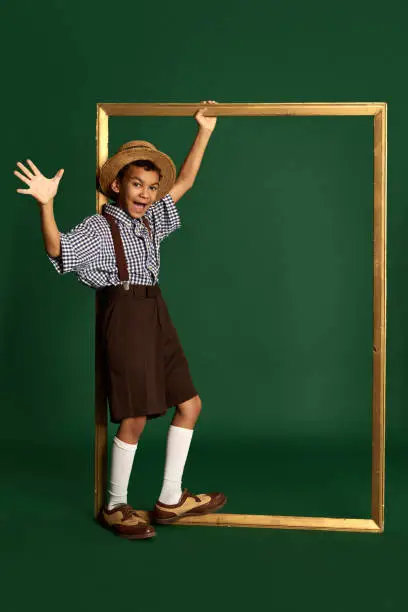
(121, 215)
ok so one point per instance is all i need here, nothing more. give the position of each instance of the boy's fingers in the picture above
(24, 191)
(26, 170)
(22, 177)
(33, 166)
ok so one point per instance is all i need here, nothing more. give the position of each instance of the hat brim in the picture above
(110, 169)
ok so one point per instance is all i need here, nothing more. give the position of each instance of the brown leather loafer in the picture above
(189, 505)
(126, 523)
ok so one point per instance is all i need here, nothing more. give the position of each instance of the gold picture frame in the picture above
(374, 524)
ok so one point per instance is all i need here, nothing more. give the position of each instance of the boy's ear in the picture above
(115, 186)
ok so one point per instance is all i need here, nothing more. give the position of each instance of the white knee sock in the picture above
(178, 444)
(121, 467)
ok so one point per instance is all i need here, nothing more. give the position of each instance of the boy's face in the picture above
(137, 190)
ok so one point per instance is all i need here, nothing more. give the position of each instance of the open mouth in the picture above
(139, 207)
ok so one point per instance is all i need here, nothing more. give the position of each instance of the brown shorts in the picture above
(144, 366)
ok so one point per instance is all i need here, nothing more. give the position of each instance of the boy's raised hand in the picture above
(40, 187)
(206, 123)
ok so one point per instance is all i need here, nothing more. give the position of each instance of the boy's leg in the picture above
(118, 515)
(123, 452)
(178, 445)
(173, 502)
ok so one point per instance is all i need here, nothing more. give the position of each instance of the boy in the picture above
(118, 253)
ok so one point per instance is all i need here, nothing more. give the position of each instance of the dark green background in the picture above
(268, 282)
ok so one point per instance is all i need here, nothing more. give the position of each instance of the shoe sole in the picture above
(126, 536)
(174, 519)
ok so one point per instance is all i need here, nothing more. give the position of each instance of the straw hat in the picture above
(132, 151)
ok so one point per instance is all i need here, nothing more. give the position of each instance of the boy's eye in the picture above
(139, 184)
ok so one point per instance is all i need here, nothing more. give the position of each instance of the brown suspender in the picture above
(119, 250)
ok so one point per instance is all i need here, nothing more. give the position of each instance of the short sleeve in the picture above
(79, 247)
(166, 216)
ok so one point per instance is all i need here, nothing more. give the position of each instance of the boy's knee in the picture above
(132, 428)
(191, 408)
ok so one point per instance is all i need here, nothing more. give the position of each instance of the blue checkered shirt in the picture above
(88, 251)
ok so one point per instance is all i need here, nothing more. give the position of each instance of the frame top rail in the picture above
(116, 109)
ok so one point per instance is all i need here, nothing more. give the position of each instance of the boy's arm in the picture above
(70, 251)
(50, 232)
(192, 163)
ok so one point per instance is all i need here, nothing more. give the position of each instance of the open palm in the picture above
(41, 188)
